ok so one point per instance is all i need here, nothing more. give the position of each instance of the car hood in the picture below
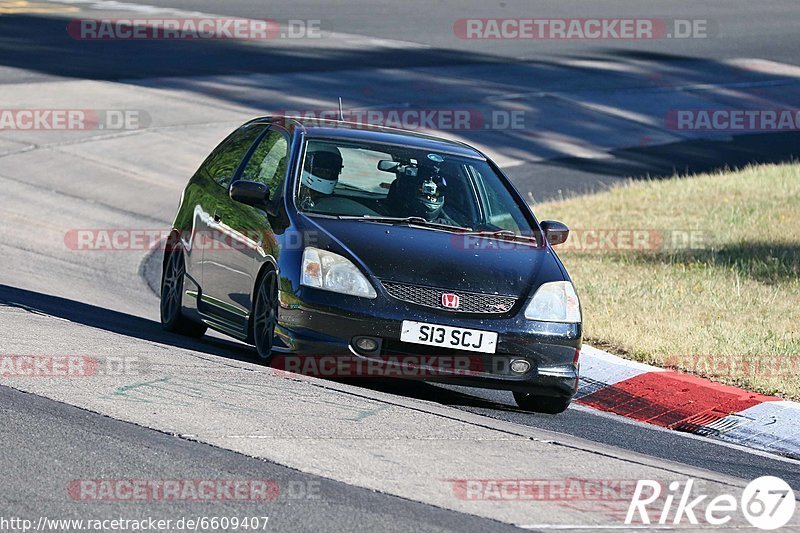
(457, 261)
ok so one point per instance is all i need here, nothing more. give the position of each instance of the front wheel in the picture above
(171, 298)
(551, 405)
(265, 316)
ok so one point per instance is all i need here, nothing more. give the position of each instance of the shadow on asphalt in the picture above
(689, 157)
(420, 390)
(42, 44)
(117, 322)
(150, 330)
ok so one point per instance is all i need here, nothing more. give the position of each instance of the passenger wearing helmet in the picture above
(321, 171)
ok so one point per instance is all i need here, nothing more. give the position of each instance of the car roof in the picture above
(340, 129)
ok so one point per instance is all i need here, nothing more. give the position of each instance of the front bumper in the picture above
(322, 323)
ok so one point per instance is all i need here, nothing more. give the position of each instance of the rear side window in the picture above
(223, 162)
(268, 162)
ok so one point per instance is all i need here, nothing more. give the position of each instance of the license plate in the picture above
(473, 340)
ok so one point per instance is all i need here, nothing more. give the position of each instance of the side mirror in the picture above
(250, 193)
(555, 232)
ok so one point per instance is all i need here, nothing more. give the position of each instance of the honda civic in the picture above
(319, 239)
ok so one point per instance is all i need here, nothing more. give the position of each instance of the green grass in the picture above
(727, 308)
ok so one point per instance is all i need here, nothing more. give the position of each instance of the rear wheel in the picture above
(265, 316)
(171, 298)
(542, 404)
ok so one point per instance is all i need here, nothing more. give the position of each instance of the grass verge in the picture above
(700, 273)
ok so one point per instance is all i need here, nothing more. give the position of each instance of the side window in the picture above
(497, 202)
(268, 163)
(221, 165)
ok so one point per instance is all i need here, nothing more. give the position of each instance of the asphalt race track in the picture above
(346, 455)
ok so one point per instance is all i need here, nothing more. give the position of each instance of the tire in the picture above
(265, 316)
(172, 319)
(551, 405)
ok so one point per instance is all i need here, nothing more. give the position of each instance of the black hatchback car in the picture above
(386, 248)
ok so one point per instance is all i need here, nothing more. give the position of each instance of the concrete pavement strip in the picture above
(414, 449)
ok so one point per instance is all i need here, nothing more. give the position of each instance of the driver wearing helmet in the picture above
(422, 196)
(321, 171)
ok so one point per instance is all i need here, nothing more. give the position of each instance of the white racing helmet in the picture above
(322, 168)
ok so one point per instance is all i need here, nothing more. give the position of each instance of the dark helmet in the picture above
(421, 196)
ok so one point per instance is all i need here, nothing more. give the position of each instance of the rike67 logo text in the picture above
(767, 503)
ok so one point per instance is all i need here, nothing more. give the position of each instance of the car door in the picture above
(221, 269)
(242, 235)
(267, 164)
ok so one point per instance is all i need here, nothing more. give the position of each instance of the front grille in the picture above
(469, 302)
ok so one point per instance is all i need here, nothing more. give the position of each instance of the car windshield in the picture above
(399, 183)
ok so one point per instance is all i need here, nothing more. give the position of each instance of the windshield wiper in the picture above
(506, 234)
(498, 233)
(399, 221)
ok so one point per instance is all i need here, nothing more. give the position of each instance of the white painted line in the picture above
(602, 369)
(112, 5)
(602, 355)
(765, 66)
(647, 527)
(511, 163)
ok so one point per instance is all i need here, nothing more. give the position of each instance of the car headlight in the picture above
(555, 302)
(332, 272)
